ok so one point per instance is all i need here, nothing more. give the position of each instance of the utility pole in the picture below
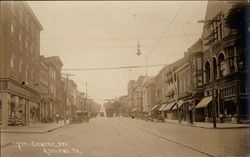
(87, 107)
(146, 66)
(213, 96)
(66, 97)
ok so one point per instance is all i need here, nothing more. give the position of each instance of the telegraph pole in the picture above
(87, 107)
(213, 96)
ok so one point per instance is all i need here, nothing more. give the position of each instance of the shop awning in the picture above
(156, 107)
(180, 103)
(134, 109)
(162, 107)
(175, 107)
(169, 106)
(204, 102)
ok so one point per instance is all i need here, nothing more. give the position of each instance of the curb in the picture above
(6, 144)
(193, 125)
(34, 132)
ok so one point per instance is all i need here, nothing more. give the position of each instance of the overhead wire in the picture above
(112, 68)
(148, 23)
(166, 29)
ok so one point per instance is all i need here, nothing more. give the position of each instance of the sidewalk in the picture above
(207, 125)
(35, 128)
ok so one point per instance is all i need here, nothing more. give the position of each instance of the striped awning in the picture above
(163, 106)
(169, 106)
(204, 102)
(156, 107)
(180, 103)
(134, 109)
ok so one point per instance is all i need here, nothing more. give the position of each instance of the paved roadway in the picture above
(125, 137)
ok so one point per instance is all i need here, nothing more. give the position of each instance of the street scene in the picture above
(126, 137)
(124, 78)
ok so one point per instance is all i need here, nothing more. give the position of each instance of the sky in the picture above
(105, 34)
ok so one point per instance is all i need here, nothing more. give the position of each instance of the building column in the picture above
(5, 97)
(27, 107)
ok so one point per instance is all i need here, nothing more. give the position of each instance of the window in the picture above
(26, 74)
(12, 30)
(222, 68)
(20, 66)
(20, 15)
(20, 40)
(200, 81)
(12, 65)
(27, 22)
(26, 44)
(31, 77)
(207, 72)
(20, 36)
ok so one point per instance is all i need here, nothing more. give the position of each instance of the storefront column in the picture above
(218, 99)
(27, 106)
(5, 97)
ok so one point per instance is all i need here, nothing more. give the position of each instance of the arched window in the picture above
(222, 65)
(207, 72)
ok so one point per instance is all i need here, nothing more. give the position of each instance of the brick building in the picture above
(19, 58)
(224, 67)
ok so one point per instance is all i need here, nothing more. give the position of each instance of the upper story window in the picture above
(215, 28)
(222, 65)
(20, 66)
(12, 65)
(27, 74)
(20, 40)
(207, 72)
(27, 22)
(20, 15)
(12, 30)
(26, 44)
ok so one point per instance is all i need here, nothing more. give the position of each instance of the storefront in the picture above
(18, 103)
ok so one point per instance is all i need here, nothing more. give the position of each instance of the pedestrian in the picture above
(57, 118)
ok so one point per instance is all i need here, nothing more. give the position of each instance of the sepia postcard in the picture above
(125, 78)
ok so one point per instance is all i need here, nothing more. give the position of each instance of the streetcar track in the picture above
(167, 139)
(124, 140)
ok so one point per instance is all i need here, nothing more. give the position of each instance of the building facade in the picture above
(19, 58)
(224, 67)
(55, 94)
(44, 89)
